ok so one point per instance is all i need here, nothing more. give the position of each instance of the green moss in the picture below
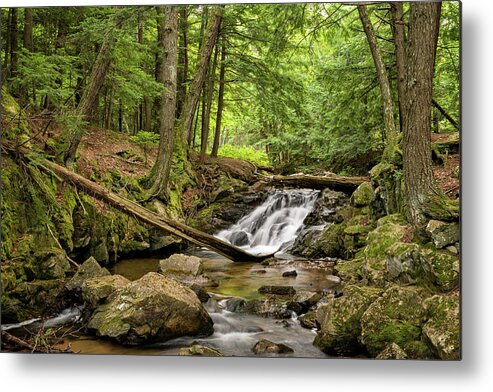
(440, 207)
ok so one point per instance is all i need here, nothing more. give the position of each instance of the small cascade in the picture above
(273, 225)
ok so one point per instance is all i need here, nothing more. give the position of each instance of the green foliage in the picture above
(246, 153)
(145, 140)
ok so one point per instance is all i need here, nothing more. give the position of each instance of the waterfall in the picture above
(274, 224)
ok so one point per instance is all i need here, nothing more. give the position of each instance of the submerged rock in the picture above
(153, 308)
(96, 290)
(278, 290)
(443, 326)
(287, 274)
(265, 346)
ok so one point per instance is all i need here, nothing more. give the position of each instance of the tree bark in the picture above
(162, 166)
(182, 61)
(220, 100)
(400, 56)
(418, 174)
(89, 96)
(186, 119)
(383, 81)
(208, 106)
(28, 29)
(14, 55)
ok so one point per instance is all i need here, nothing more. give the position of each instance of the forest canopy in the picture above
(296, 82)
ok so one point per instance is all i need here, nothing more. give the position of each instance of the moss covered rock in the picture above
(341, 327)
(443, 233)
(363, 195)
(89, 269)
(392, 351)
(378, 243)
(153, 308)
(96, 290)
(396, 317)
(330, 240)
(443, 326)
(442, 267)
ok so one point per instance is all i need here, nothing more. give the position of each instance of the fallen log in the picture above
(143, 214)
(337, 183)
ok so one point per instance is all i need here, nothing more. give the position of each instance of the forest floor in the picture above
(102, 150)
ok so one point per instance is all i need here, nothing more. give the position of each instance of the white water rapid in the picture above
(272, 226)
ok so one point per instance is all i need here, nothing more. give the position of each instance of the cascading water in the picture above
(274, 224)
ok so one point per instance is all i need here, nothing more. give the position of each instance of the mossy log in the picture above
(337, 183)
(136, 210)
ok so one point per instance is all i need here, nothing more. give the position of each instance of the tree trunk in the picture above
(89, 96)
(186, 119)
(28, 29)
(14, 55)
(400, 56)
(418, 175)
(208, 105)
(220, 100)
(182, 61)
(160, 171)
(383, 81)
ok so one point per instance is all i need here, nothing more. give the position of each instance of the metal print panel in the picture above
(264, 180)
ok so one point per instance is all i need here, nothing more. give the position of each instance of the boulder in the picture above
(443, 326)
(340, 326)
(329, 242)
(287, 274)
(277, 290)
(392, 351)
(404, 263)
(153, 308)
(199, 350)
(378, 243)
(396, 317)
(442, 233)
(363, 195)
(96, 290)
(442, 267)
(306, 298)
(89, 269)
(265, 346)
(180, 264)
(309, 320)
(272, 306)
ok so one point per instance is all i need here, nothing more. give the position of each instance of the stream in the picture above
(271, 227)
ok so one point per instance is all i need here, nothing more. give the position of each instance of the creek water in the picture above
(270, 227)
